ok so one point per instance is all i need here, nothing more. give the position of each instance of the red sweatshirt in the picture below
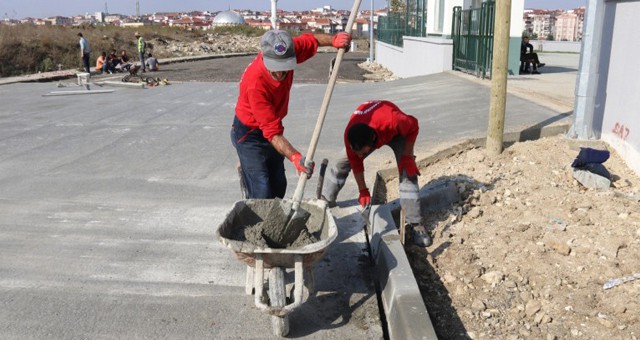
(387, 120)
(263, 101)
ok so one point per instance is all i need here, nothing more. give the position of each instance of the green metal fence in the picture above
(409, 22)
(472, 32)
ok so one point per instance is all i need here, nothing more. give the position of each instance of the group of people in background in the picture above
(113, 63)
(117, 63)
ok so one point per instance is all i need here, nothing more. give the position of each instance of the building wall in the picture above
(556, 46)
(565, 27)
(618, 88)
(418, 57)
(435, 8)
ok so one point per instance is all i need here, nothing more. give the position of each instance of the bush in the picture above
(27, 48)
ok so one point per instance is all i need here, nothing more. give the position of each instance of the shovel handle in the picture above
(297, 196)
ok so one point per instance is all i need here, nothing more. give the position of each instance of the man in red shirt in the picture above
(372, 125)
(257, 132)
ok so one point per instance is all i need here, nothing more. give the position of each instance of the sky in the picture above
(18, 9)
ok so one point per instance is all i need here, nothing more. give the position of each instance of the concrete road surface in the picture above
(109, 205)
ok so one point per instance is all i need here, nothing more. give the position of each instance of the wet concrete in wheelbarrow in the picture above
(282, 227)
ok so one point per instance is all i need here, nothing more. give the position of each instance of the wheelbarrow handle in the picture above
(259, 288)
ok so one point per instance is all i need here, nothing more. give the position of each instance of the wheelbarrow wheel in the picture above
(277, 297)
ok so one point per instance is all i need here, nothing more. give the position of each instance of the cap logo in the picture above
(280, 48)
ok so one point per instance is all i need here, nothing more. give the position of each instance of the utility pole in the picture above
(497, 104)
(371, 35)
(137, 9)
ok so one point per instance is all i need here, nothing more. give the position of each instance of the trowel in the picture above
(298, 216)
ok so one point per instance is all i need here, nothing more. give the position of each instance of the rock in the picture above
(525, 333)
(448, 278)
(532, 307)
(560, 247)
(522, 226)
(525, 296)
(510, 284)
(606, 323)
(538, 318)
(590, 179)
(493, 277)
(478, 305)
(475, 212)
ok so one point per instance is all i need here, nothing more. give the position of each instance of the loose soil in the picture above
(526, 252)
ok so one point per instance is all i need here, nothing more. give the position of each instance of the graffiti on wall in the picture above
(621, 131)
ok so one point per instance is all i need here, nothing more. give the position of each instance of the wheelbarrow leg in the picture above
(309, 281)
(277, 298)
(249, 281)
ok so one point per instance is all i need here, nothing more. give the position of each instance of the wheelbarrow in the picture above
(249, 212)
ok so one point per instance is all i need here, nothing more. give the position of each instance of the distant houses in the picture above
(560, 25)
(541, 24)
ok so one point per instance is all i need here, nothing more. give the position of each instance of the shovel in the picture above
(296, 217)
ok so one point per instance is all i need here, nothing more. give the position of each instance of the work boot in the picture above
(535, 72)
(419, 235)
(541, 64)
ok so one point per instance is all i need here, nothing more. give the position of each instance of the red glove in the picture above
(301, 166)
(365, 197)
(408, 164)
(341, 39)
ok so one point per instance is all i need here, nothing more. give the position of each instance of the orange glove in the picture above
(365, 197)
(341, 39)
(408, 164)
(300, 163)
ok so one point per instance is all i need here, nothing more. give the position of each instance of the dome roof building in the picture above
(228, 18)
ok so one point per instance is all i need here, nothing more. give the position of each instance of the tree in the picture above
(550, 37)
(397, 6)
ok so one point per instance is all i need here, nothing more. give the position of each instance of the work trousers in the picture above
(85, 62)
(529, 58)
(142, 64)
(409, 191)
(262, 166)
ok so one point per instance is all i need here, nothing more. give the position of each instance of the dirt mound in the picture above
(527, 251)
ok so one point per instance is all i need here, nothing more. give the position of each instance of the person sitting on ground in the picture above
(102, 64)
(124, 65)
(374, 124)
(527, 56)
(113, 60)
(152, 62)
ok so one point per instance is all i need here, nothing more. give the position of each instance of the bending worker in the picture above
(372, 125)
(257, 132)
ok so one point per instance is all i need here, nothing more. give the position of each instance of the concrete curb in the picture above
(406, 313)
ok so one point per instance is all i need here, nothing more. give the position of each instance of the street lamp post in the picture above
(274, 17)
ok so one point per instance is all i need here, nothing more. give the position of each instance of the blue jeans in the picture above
(262, 166)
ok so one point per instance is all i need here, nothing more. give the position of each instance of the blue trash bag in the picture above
(589, 156)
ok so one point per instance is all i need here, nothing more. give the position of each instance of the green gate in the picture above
(472, 32)
(406, 18)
